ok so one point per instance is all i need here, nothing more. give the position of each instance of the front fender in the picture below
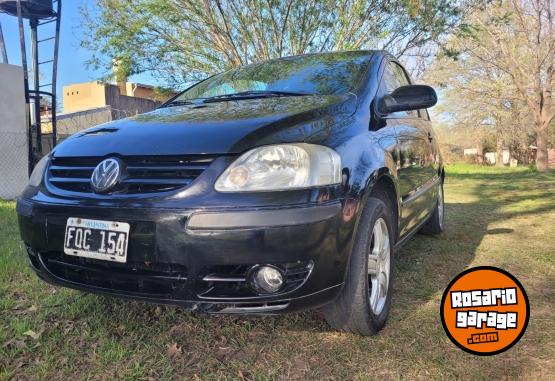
(368, 158)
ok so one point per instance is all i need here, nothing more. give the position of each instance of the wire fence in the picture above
(72, 123)
(15, 152)
(14, 159)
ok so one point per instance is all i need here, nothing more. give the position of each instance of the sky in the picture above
(72, 58)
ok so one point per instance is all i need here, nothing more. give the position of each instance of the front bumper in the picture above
(199, 259)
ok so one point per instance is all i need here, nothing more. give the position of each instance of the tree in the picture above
(185, 40)
(514, 40)
(480, 100)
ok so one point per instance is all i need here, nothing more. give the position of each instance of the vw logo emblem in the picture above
(106, 175)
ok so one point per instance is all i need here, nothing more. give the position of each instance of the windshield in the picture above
(323, 74)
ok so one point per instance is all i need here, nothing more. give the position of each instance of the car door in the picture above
(433, 161)
(414, 158)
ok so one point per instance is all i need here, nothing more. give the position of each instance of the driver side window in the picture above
(393, 77)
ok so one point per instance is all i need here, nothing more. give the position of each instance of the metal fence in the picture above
(72, 123)
(14, 152)
(14, 158)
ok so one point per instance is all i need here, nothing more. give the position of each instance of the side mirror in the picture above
(406, 98)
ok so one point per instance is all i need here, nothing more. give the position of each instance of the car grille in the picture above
(158, 279)
(143, 174)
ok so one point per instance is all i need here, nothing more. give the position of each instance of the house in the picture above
(470, 151)
(134, 98)
(91, 103)
(491, 157)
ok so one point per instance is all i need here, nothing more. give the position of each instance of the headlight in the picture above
(280, 167)
(38, 172)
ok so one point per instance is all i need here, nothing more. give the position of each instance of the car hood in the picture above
(214, 128)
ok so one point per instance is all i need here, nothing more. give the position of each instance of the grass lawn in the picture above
(500, 217)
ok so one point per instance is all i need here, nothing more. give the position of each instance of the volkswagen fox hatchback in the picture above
(270, 188)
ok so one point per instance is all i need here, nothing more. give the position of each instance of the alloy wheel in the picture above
(379, 266)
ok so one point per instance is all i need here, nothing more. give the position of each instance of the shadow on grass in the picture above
(425, 265)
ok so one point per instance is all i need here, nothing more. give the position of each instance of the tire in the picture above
(435, 224)
(353, 311)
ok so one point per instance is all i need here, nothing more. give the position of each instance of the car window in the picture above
(393, 77)
(389, 80)
(400, 74)
(404, 80)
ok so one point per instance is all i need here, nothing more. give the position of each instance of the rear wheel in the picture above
(435, 223)
(365, 301)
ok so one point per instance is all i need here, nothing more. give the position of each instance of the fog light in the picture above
(267, 279)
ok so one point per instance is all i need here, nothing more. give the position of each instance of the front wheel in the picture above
(365, 301)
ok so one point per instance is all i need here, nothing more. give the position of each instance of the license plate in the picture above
(106, 240)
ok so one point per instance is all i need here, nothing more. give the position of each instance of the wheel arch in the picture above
(382, 183)
(385, 185)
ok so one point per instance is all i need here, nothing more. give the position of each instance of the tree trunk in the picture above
(542, 164)
(499, 151)
(479, 152)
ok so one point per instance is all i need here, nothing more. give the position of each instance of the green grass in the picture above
(502, 217)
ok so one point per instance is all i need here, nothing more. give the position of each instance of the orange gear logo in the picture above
(485, 310)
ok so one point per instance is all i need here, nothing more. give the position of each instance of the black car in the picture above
(270, 188)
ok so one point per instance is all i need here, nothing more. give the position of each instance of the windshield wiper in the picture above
(255, 94)
(183, 102)
(241, 95)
